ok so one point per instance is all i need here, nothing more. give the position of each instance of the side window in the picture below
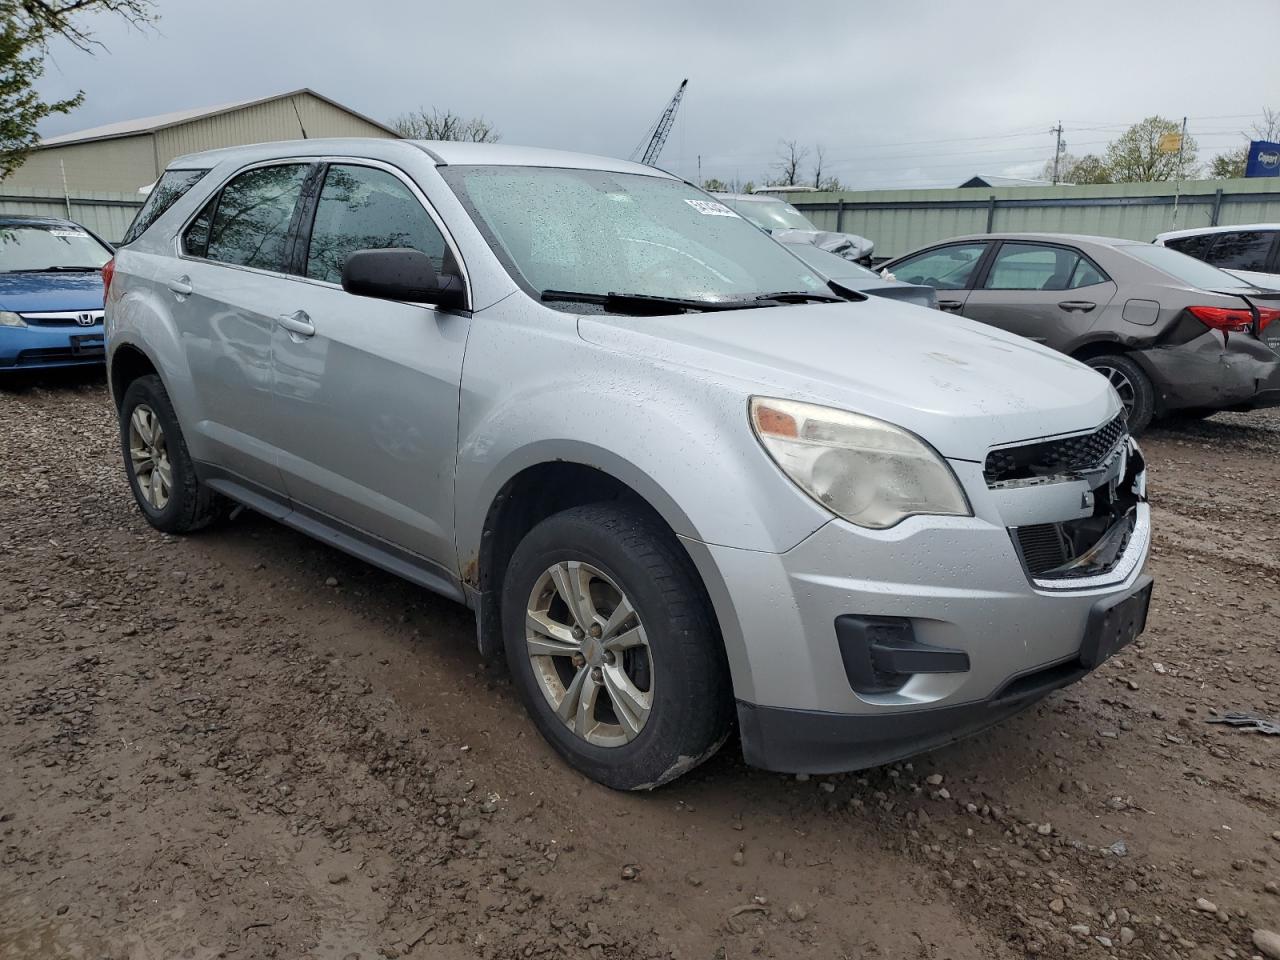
(1026, 266)
(251, 222)
(195, 240)
(1241, 251)
(1196, 246)
(946, 268)
(1086, 275)
(363, 208)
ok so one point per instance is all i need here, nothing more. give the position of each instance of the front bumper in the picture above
(960, 584)
(42, 347)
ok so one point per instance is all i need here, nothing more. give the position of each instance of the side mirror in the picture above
(400, 273)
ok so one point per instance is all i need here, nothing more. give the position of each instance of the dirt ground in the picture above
(244, 744)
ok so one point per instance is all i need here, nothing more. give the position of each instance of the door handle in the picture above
(951, 306)
(181, 285)
(297, 323)
(1077, 306)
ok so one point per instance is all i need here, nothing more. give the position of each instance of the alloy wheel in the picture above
(590, 654)
(1122, 384)
(149, 456)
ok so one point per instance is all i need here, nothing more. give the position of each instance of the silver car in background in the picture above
(785, 223)
(679, 482)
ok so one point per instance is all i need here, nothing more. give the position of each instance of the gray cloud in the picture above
(900, 94)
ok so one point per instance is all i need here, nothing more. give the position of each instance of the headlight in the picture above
(8, 319)
(865, 470)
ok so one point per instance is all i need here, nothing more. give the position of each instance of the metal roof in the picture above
(982, 180)
(129, 128)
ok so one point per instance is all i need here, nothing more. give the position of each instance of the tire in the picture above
(182, 504)
(690, 703)
(1133, 385)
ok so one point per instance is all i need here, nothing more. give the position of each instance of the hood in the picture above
(47, 292)
(962, 386)
(848, 245)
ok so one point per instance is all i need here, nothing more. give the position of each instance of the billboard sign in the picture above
(1264, 159)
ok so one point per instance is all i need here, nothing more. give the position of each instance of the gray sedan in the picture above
(1172, 334)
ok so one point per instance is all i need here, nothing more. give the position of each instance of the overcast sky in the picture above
(899, 94)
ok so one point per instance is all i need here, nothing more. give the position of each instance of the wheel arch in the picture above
(534, 489)
(128, 362)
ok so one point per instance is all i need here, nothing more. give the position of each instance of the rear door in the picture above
(365, 390)
(228, 286)
(949, 269)
(1050, 293)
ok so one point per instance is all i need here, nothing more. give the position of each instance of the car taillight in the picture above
(1226, 319)
(1266, 316)
(108, 271)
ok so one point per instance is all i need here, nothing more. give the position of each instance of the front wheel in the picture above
(613, 646)
(1132, 385)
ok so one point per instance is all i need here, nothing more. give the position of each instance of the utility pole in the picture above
(1177, 190)
(1057, 150)
(699, 171)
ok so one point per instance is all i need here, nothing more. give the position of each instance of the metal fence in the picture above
(106, 214)
(900, 221)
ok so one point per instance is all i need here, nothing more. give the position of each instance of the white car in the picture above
(1250, 251)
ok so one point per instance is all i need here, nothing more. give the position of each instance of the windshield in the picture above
(31, 247)
(831, 265)
(595, 232)
(1188, 270)
(772, 214)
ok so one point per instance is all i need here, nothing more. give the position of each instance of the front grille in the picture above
(63, 318)
(1043, 547)
(1049, 458)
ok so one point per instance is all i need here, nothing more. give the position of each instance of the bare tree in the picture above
(1232, 163)
(791, 158)
(437, 124)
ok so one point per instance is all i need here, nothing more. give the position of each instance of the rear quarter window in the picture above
(169, 189)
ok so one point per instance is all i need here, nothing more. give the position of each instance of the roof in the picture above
(130, 128)
(444, 153)
(1232, 228)
(983, 180)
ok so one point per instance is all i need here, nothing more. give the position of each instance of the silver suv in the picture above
(678, 479)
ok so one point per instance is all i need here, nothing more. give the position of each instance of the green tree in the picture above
(1090, 168)
(712, 185)
(1230, 164)
(1135, 156)
(26, 28)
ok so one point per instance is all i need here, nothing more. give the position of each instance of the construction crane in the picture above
(658, 133)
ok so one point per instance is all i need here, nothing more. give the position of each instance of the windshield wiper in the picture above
(800, 296)
(642, 303)
(57, 270)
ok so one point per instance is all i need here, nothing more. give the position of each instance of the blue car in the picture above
(50, 294)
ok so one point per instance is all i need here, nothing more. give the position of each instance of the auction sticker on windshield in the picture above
(710, 208)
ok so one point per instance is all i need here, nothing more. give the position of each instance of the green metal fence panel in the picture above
(903, 220)
(106, 214)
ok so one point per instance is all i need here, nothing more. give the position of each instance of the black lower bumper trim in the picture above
(812, 741)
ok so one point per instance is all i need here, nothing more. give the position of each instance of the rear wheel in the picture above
(1132, 385)
(160, 470)
(613, 646)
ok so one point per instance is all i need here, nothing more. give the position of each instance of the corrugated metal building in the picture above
(121, 157)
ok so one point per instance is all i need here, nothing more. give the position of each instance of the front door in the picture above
(365, 390)
(1044, 292)
(950, 270)
(227, 288)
